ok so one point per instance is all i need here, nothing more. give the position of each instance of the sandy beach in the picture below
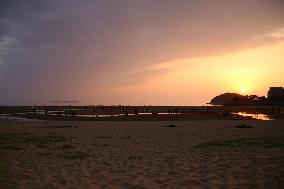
(132, 94)
(140, 155)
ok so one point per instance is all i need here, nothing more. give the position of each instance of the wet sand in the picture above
(149, 117)
(139, 155)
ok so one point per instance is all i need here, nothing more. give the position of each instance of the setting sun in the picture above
(243, 90)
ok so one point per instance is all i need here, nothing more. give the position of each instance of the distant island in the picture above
(275, 96)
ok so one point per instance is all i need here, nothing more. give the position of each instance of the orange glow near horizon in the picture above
(196, 81)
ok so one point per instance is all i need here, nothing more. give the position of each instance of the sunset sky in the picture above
(136, 52)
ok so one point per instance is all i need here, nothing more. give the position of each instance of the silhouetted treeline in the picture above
(231, 99)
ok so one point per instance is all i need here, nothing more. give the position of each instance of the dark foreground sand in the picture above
(140, 155)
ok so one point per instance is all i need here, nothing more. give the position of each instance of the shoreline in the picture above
(159, 117)
(140, 113)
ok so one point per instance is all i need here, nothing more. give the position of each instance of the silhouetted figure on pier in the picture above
(73, 113)
(93, 111)
(46, 111)
(58, 114)
(125, 112)
(227, 114)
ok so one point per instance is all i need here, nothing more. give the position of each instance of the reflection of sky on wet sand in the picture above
(254, 116)
(8, 117)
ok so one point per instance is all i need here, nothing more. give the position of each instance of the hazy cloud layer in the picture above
(55, 49)
(274, 35)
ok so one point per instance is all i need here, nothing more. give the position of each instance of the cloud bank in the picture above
(69, 49)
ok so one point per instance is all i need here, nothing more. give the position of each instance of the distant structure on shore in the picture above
(275, 93)
(275, 96)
